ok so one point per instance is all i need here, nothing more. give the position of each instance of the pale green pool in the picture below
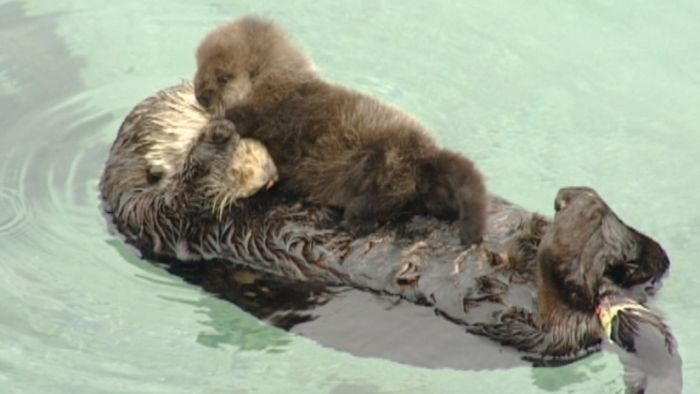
(542, 94)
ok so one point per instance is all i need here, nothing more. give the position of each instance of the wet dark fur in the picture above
(586, 248)
(143, 201)
(334, 146)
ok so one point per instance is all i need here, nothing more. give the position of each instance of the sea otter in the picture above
(513, 289)
(180, 164)
(332, 145)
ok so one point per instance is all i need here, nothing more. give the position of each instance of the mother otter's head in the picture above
(170, 153)
(244, 56)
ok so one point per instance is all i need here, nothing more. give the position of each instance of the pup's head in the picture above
(243, 56)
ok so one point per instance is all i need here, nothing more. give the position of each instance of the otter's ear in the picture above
(634, 257)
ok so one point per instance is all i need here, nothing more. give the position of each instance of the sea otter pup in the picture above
(334, 146)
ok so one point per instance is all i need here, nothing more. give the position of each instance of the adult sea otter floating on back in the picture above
(180, 188)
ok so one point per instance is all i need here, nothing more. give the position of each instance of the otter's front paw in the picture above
(221, 131)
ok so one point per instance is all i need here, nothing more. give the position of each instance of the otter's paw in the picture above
(220, 131)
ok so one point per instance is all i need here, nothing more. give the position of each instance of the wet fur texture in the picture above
(489, 289)
(334, 146)
(586, 251)
(170, 174)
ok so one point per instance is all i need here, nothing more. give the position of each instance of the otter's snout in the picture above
(204, 97)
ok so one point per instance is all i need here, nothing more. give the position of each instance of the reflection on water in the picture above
(545, 94)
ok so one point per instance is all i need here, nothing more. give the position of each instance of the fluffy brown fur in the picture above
(332, 145)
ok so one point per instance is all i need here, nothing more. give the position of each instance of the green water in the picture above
(542, 94)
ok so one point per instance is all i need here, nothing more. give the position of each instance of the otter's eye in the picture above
(224, 79)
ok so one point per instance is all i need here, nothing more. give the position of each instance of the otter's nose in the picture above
(204, 97)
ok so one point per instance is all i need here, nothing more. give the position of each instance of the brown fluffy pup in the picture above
(332, 145)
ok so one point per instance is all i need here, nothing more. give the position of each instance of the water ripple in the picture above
(14, 211)
(81, 314)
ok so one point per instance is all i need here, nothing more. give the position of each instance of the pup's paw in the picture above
(221, 131)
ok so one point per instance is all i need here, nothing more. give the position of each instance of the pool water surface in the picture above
(540, 94)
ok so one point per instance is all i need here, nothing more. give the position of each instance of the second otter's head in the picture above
(243, 56)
